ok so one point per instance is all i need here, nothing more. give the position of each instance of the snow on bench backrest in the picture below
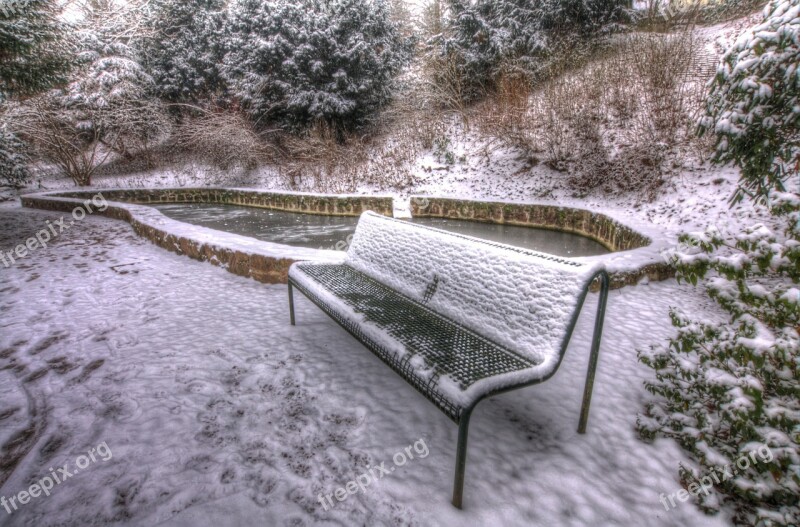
(520, 299)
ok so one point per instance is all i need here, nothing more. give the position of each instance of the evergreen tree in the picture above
(111, 94)
(35, 53)
(297, 63)
(13, 160)
(183, 50)
(482, 36)
(107, 107)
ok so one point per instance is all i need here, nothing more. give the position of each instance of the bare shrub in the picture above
(79, 138)
(504, 113)
(619, 81)
(132, 130)
(560, 144)
(639, 168)
(447, 82)
(662, 66)
(77, 152)
(591, 155)
(635, 169)
(615, 122)
(444, 82)
(225, 139)
(416, 114)
(559, 109)
(321, 161)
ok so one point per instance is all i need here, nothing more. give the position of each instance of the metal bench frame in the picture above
(464, 418)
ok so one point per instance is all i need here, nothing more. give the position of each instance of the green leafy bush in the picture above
(726, 390)
(753, 107)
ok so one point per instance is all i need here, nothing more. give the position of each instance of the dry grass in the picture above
(616, 122)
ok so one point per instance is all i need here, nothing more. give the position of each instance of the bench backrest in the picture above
(521, 299)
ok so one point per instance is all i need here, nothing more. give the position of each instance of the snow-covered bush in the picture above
(727, 390)
(112, 92)
(485, 35)
(114, 98)
(295, 63)
(183, 48)
(753, 108)
(13, 160)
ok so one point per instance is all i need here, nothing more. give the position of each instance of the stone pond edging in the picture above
(599, 227)
(269, 263)
(263, 261)
(328, 205)
(641, 258)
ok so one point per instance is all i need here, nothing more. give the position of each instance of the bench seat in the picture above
(421, 345)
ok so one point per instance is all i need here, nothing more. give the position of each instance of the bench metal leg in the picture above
(461, 458)
(291, 303)
(598, 333)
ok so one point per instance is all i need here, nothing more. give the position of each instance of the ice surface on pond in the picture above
(334, 232)
(218, 412)
(547, 241)
(302, 230)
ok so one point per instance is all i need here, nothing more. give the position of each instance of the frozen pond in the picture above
(331, 232)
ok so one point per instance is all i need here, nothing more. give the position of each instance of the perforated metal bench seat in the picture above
(460, 319)
(448, 349)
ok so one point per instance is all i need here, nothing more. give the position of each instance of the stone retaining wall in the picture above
(261, 267)
(612, 234)
(305, 203)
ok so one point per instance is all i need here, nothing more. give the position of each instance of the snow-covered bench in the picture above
(460, 319)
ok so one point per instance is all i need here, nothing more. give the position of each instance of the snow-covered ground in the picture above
(218, 412)
(210, 409)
